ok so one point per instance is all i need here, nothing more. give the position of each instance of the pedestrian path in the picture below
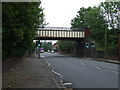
(32, 72)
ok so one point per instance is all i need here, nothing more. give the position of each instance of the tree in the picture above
(47, 46)
(91, 18)
(78, 21)
(110, 11)
(66, 46)
(103, 22)
(20, 22)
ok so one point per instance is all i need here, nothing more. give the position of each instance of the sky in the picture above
(59, 13)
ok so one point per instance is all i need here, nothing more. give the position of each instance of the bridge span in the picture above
(59, 33)
(62, 33)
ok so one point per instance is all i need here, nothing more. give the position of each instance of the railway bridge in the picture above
(62, 33)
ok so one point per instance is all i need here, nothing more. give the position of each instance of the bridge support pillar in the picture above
(79, 48)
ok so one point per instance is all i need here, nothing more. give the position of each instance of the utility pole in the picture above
(105, 42)
(118, 45)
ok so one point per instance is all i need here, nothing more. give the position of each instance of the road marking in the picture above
(67, 83)
(98, 68)
(56, 73)
(110, 71)
(49, 64)
(82, 63)
(114, 71)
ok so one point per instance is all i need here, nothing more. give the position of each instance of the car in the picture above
(52, 51)
(48, 51)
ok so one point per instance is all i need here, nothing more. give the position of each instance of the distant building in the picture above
(55, 47)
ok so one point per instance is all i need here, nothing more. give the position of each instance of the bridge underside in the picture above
(57, 38)
(79, 47)
(64, 34)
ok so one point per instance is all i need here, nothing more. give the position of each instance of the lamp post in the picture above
(118, 45)
(105, 43)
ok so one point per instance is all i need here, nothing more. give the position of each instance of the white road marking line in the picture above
(98, 68)
(114, 71)
(56, 73)
(67, 83)
(82, 63)
(49, 64)
(110, 71)
(104, 70)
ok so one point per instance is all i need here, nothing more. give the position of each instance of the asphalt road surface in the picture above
(83, 73)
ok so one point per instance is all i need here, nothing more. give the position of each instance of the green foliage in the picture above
(20, 21)
(110, 11)
(47, 46)
(91, 17)
(101, 19)
(66, 45)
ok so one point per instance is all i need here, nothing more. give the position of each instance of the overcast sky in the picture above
(58, 13)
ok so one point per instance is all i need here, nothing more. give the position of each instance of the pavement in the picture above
(31, 72)
(98, 59)
(105, 60)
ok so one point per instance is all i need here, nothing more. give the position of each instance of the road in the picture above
(83, 73)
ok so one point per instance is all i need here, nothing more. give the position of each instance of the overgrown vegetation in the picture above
(66, 46)
(47, 46)
(103, 23)
(19, 24)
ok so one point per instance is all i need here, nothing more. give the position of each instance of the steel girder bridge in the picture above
(62, 33)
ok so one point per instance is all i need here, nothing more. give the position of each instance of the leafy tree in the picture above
(110, 11)
(91, 17)
(78, 21)
(97, 24)
(103, 22)
(66, 46)
(20, 21)
(47, 46)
